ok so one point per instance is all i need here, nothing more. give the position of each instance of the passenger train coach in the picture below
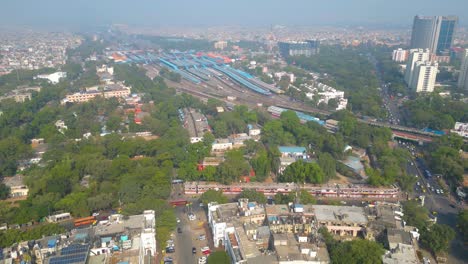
(358, 191)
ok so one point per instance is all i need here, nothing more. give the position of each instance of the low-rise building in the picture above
(461, 129)
(221, 145)
(17, 187)
(290, 250)
(402, 254)
(341, 220)
(109, 91)
(53, 78)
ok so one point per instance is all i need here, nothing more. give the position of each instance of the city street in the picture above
(189, 237)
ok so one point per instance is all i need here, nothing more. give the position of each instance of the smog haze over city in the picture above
(233, 131)
(382, 13)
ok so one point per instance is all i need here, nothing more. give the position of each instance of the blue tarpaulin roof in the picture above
(124, 238)
(51, 243)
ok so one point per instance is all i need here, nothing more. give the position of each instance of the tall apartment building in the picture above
(420, 72)
(400, 55)
(424, 77)
(463, 77)
(435, 33)
(415, 55)
(220, 45)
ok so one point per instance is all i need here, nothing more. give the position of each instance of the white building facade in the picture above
(463, 77)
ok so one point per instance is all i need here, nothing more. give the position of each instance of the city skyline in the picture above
(86, 13)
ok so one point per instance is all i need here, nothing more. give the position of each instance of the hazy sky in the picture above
(225, 12)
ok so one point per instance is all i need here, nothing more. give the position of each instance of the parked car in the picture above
(194, 250)
(179, 230)
(201, 237)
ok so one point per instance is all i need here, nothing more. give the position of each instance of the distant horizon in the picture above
(87, 14)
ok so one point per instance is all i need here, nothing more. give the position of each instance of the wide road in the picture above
(445, 209)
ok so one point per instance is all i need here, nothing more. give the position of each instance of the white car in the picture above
(202, 260)
(178, 220)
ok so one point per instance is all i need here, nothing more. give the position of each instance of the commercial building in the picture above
(299, 48)
(420, 72)
(463, 77)
(435, 33)
(400, 55)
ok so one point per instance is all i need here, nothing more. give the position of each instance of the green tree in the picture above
(437, 237)
(328, 165)
(415, 214)
(358, 251)
(213, 196)
(4, 191)
(462, 224)
(261, 165)
(253, 196)
(219, 257)
(302, 172)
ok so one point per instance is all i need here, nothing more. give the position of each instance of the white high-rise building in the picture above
(400, 55)
(421, 55)
(463, 78)
(220, 44)
(423, 77)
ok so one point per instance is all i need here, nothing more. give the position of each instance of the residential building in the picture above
(294, 218)
(221, 145)
(424, 77)
(108, 91)
(17, 187)
(291, 76)
(220, 44)
(420, 72)
(292, 249)
(195, 122)
(463, 77)
(435, 33)
(402, 254)
(461, 129)
(341, 220)
(400, 55)
(299, 48)
(415, 55)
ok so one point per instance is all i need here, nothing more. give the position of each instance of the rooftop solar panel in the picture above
(74, 249)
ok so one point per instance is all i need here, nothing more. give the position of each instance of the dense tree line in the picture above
(435, 237)
(350, 70)
(354, 252)
(11, 236)
(434, 112)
